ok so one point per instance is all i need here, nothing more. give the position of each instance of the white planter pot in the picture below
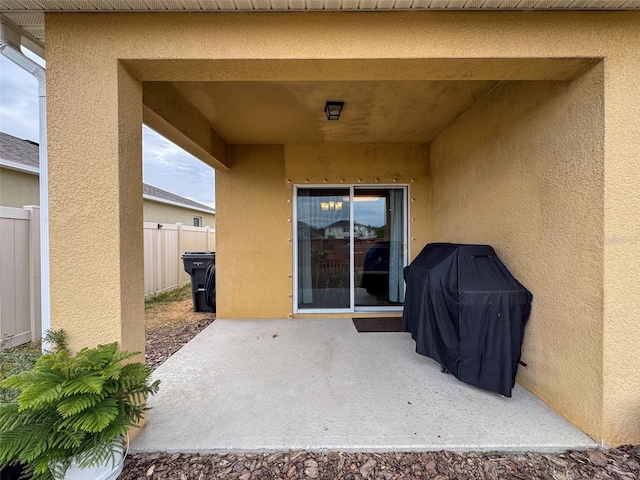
(109, 470)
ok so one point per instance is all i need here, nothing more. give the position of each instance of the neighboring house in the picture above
(518, 129)
(160, 206)
(19, 177)
(338, 230)
(19, 171)
(342, 229)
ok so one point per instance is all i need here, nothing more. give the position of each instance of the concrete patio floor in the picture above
(318, 384)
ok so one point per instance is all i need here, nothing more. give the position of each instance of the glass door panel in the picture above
(379, 228)
(323, 246)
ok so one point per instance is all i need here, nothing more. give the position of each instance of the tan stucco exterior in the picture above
(254, 201)
(369, 164)
(571, 148)
(158, 212)
(523, 171)
(18, 189)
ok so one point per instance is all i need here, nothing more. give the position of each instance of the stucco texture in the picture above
(97, 285)
(369, 164)
(95, 145)
(524, 171)
(254, 200)
(18, 189)
(253, 275)
(164, 213)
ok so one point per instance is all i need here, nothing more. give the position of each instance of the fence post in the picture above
(35, 314)
(158, 267)
(208, 244)
(180, 250)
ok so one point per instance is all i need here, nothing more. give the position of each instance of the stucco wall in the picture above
(253, 265)
(18, 189)
(524, 171)
(165, 213)
(254, 202)
(369, 164)
(95, 152)
(95, 201)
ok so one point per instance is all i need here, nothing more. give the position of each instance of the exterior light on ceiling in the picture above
(333, 110)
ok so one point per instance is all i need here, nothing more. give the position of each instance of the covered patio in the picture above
(260, 385)
(514, 129)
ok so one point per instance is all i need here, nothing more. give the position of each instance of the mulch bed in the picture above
(622, 463)
(171, 325)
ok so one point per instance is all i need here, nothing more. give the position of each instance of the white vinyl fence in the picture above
(20, 267)
(19, 275)
(163, 249)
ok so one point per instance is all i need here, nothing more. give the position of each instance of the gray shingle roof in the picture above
(14, 149)
(164, 195)
(25, 152)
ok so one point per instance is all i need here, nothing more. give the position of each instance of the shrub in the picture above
(19, 359)
(72, 407)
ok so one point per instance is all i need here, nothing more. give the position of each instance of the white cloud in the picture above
(170, 168)
(18, 101)
(370, 213)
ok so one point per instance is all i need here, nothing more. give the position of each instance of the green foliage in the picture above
(23, 358)
(178, 294)
(72, 406)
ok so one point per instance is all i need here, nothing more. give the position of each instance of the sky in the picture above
(165, 165)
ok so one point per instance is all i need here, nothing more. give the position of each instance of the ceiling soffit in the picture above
(374, 111)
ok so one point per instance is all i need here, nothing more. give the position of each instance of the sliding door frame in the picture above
(294, 225)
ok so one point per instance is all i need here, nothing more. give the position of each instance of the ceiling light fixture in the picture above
(326, 206)
(333, 110)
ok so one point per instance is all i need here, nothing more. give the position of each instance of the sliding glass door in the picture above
(350, 248)
(379, 246)
(324, 241)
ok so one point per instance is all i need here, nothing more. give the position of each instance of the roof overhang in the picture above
(19, 167)
(153, 198)
(28, 16)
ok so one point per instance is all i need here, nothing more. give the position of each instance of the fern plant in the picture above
(72, 407)
(19, 359)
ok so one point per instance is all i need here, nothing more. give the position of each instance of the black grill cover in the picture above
(467, 312)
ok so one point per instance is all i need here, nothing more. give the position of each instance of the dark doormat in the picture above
(378, 324)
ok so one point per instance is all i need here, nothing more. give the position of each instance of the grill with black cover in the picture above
(466, 311)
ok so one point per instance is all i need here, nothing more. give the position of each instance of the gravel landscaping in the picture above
(171, 323)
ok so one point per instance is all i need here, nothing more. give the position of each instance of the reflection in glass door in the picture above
(378, 226)
(323, 245)
(350, 247)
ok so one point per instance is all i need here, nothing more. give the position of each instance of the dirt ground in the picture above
(171, 323)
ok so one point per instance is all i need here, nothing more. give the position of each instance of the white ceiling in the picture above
(29, 16)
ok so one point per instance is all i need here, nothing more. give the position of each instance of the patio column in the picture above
(621, 386)
(95, 190)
